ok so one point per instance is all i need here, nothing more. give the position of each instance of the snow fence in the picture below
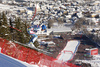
(30, 55)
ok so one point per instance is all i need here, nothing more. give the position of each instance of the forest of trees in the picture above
(9, 33)
(93, 37)
(82, 24)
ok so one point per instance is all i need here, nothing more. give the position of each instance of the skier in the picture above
(31, 32)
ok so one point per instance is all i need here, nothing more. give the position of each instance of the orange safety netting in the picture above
(29, 55)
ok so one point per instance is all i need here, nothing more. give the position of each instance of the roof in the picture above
(61, 29)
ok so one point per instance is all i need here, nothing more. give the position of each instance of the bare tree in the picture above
(50, 23)
(60, 20)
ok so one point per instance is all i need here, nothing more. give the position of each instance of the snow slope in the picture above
(68, 52)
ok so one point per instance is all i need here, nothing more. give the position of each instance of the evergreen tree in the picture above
(11, 29)
(14, 36)
(0, 25)
(0, 20)
(10, 22)
(19, 34)
(18, 23)
(26, 35)
(5, 30)
(4, 19)
(8, 35)
(2, 30)
(17, 26)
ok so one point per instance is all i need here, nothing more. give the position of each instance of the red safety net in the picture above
(51, 62)
(30, 55)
